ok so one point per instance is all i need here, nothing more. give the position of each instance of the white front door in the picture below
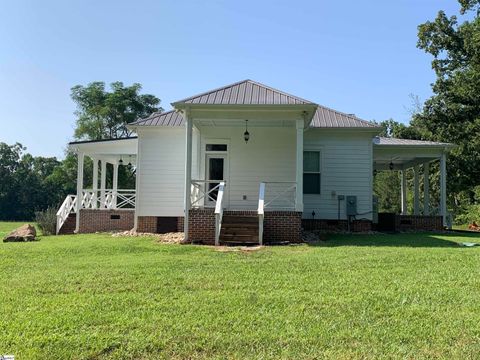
(216, 170)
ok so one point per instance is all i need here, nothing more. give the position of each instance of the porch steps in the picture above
(239, 230)
(68, 226)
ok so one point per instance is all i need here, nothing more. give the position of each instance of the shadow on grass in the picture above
(399, 240)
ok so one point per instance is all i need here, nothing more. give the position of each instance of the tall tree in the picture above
(452, 114)
(103, 114)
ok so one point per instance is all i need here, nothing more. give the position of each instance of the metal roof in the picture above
(385, 141)
(246, 92)
(328, 118)
(169, 118)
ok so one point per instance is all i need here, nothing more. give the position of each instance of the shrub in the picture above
(47, 220)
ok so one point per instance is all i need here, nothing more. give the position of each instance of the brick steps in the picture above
(239, 230)
(68, 226)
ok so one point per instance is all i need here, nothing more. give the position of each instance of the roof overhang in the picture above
(232, 113)
(110, 150)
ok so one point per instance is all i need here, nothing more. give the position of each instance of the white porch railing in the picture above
(108, 199)
(201, 195)
(69, 206)
(96, 199)
(278, 195)
(219, 212)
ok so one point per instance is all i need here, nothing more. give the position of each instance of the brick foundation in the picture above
(201, 226)
(93, 220)
(149, 224)
(418, 223)
(336, 225)
(282, 226)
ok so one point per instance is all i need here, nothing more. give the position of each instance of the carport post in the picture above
(95, 183)
(103, 182)
(426, 189)
(403, 189)
(416, 191)
(443, 188)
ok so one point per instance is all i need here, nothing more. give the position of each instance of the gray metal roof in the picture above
(384, 141)
(246, 92)
(328, 118)
(169, 118)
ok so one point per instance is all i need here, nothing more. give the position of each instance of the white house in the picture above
(249, 163)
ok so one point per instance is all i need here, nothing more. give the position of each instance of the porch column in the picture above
(299, 167)
(416, 191)
(95, 183)
(188, 168)
(426, 189)
(115, 184)
(80, 158)
(443, 188)
(403, 192)
(103, 182)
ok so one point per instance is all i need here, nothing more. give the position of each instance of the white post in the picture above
(188, 169)
(299, 167)
(115, 184)
(443, 188)
(416, 191)
(103, 182)
(95, 183)
(426, 189)
(80, 158)
(404, 192)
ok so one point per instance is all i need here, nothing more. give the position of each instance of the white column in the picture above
(115, 184)
(443, 188)
(188, 169)
(403, 195)
(103, 182)
(299, 167)
(426, 189)
(95, 183)
(416, 191)
(80, 158)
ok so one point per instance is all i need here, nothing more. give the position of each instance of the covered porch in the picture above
(404, 155)
(117, 204)
(242, 165)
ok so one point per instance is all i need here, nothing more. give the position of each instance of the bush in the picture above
(47, 220)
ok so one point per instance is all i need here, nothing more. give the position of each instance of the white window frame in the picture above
(319, 172)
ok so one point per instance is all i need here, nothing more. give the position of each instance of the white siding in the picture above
(161, 171)
(346, 166)
(269, 155)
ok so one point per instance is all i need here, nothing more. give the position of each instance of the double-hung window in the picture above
(311, 172)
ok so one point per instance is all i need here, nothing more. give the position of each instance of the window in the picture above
(216, 147)
(311, 172)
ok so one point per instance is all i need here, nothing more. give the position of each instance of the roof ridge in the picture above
(280, 91)
(210, 91)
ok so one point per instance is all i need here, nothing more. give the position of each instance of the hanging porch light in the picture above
(246, 134)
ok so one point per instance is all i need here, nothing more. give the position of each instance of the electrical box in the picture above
(351, 205)
(375, 209)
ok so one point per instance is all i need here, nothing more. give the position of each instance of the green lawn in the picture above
(95, 296)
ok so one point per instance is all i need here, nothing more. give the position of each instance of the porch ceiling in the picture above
(111, 150)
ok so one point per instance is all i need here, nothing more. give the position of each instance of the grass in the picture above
(384, 296)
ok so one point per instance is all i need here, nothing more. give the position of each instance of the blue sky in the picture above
(355, 56)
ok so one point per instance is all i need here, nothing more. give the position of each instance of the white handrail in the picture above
(280, 194)
(261, 209)
(68, 206)
(219, 212)
(121, 198)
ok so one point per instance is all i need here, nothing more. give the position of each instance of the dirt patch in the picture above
(245, 249)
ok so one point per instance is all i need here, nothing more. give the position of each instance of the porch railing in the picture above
(201, 193)
(277, 195)
(69, 206)
(219, 212)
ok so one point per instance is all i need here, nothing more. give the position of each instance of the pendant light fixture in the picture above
(246, 134)
(391, 166)
(120, 161)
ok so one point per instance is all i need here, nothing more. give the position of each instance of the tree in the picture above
(104, 115)
(452, 114)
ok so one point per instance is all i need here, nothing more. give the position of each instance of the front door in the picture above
(216, 171)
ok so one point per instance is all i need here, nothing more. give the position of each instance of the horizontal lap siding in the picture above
(269, 155)
(161, 171)
(346, 169)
